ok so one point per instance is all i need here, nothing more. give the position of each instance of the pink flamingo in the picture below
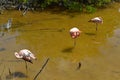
(25, 55)
(74, 32)
(96, 20)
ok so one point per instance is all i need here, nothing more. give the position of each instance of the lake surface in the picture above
(46, 34)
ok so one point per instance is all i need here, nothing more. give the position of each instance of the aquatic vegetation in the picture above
(90, 9)
(72, 5)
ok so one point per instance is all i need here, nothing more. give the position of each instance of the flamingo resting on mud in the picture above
(96, 20)
(25, 55)
(74, 32)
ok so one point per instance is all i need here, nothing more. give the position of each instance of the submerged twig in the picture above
(9, 71)
(41, 69)
(10, 74)
(2, 72)
(25, 11)
(79, 65)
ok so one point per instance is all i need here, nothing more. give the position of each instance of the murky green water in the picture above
(46, 34)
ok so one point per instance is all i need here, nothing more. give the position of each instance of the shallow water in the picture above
(46, 34)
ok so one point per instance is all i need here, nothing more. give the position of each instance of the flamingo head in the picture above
(18, 56)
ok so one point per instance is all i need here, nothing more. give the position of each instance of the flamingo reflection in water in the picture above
(25, 55)
(96, 20)
(6, 26)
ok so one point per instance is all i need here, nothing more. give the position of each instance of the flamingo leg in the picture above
(26, 67)
(96, 26)
(74, 42)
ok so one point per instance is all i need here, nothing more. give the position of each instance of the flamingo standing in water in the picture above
(96, 20)
(25, 55)
(74, 32)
